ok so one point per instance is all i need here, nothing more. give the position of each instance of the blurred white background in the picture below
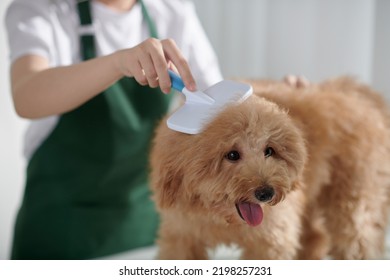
(252, 38)
(11, 159)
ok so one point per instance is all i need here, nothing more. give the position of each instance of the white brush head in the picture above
(197, 112)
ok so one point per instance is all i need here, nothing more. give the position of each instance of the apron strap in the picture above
(87, 36)
(152, 26)
(84, 9)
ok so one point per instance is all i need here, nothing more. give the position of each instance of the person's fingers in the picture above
(149, 63)
(128, 63)
(145, 59)
(302, 82)
(161, 67)
(149, 71)
(139, 74)
(172, 67)
(173, 53)
(291, 80)
(296, 81)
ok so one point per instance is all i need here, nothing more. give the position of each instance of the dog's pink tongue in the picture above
(251, 213)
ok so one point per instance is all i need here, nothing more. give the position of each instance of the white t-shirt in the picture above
(50, 28)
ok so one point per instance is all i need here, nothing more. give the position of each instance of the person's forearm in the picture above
(39, 91)
(61, 89)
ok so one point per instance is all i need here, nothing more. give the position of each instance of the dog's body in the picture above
(289, 173)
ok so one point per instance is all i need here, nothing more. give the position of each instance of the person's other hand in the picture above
(296, 81)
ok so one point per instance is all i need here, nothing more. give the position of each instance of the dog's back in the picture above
(347, 131)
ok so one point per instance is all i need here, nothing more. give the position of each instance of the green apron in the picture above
(87, 192)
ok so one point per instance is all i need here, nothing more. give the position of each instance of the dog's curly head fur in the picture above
(247, 148)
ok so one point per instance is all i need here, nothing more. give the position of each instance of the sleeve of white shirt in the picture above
(201, 56)
(28, 28)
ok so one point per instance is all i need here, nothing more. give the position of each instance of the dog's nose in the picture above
(265, 193)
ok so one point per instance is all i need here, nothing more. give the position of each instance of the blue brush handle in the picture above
(177, 82)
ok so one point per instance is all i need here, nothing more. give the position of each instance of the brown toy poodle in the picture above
(290, 173)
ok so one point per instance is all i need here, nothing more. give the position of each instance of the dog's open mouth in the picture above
(251, 213)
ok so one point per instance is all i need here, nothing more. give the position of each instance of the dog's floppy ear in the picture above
(166, 178)
(297, 185)
(166, 170)
(167, 187)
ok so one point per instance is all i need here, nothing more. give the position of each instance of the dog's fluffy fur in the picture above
(328, 171)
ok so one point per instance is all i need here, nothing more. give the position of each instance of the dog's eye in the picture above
(269, 152)
(233, 156)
